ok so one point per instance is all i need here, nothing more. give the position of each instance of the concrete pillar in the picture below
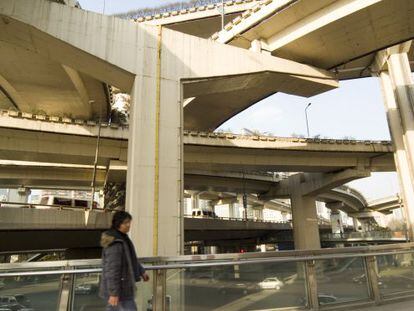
(284, 216)
(195, 201)
(20, 195)
(305, 222)
(355, 223)
(304, 215)
(154, 176)
(232, 210)
(336, 222)
(397, 89)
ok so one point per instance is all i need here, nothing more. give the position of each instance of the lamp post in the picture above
(221, 10)
(306, 116)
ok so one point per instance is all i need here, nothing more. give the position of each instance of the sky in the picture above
(354, 110)
(120, 6)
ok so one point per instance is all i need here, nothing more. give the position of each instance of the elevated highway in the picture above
(311, 31)
(43, 176)
(340, 36)
(53, 227)
(31, 139)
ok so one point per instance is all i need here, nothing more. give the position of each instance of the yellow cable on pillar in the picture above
(157, 143)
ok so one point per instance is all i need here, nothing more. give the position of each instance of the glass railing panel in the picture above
(237, 287)
(86, 293)
(341, 280)
(34, 292)
(395, 273)
(144, 293)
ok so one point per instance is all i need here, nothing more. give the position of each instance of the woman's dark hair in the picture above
(119, 217)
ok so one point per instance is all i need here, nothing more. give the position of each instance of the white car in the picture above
(271, 283)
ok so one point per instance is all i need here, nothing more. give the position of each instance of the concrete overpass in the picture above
(31, 139)
(201, 21)
(309, 32)
(386, 205)
(48, 175)
(56, 227)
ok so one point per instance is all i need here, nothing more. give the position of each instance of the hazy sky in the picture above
(355, 110)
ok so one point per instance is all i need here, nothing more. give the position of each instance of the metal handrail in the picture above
(53, 206)
(188, 261)
(238, 219)
(210, 264)
(69, 269)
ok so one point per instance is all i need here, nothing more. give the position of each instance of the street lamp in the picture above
(221, 10)
(306, 116)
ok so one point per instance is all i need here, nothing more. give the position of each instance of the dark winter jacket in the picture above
(120, 266)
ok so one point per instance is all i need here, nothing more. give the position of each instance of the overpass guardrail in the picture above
(328, 279)
(369, 235)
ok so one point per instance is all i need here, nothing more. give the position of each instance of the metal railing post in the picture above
(159, 290)
(311, 285)
(372, 278)
(66, 292)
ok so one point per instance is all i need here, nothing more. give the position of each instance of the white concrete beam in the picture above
(313, 184)
(77, 82)
(318, 184)
(12, 93)
(331, 13)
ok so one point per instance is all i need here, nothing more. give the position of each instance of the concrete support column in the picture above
(232, 210)
(154, 177)
(397, 88)
(336, 222)
(355, 223)
(400, 73)
(260, 213)
(212, 205)
(305, 222)
(20, 195)
(195, 201)
(284, 216)
(304, 216)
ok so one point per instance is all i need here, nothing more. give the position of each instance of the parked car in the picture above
(238, 287)
(10, 302)
(326, 299)
(271, 283)
(322, 298)
(361, 279)
(23, 300)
